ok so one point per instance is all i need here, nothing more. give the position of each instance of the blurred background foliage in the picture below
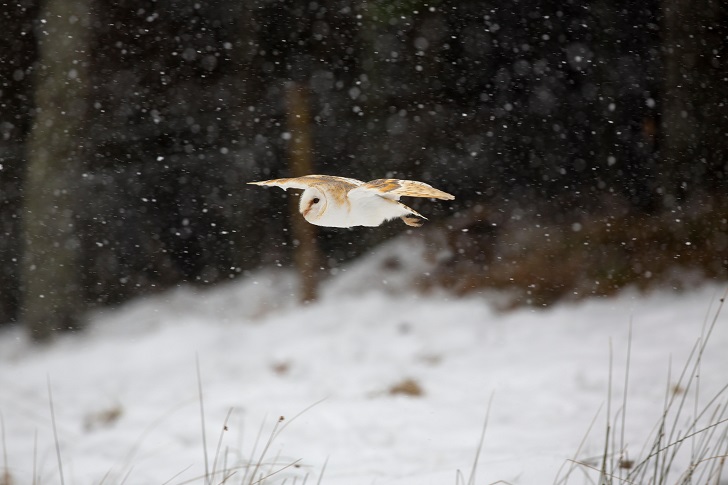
(585, 141)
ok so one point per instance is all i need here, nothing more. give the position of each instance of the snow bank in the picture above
(126, 399)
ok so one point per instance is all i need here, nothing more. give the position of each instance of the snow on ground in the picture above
(125, 392)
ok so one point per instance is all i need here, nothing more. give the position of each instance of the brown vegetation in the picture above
(539, 263)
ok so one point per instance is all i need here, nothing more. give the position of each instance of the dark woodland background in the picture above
(585, 141)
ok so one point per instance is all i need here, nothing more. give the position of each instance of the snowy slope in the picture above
(127, 409)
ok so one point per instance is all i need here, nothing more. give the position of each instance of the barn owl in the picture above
(344, 202)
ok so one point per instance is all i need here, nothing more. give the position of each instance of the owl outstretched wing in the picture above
(308, 180)
(395, 188)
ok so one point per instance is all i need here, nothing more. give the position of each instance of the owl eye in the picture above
(315, 200)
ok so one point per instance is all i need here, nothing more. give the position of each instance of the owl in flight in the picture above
(344, 202)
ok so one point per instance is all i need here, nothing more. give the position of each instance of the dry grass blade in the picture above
(202, 421)
(574, 462)
(323, 470)
(706, 429)
(662, 462)
(603, 473)
(623, 427)
(55, 431)
(255, 448)
(268, 443)
(219, 440)
(5, 478)
(277, 429)
(679, 441)
(272, 473)
(35, 458)
(471, 479)
(174, 476)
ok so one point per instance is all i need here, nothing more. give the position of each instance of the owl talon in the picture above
(413, 220)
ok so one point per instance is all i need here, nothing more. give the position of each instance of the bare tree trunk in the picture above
(247, 89)
(306, 254)
(51, 296)
(18, 55)
(693, 145)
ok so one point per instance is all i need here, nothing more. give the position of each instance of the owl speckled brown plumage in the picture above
(344, 202)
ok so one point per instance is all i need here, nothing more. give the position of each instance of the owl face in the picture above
(313, 204)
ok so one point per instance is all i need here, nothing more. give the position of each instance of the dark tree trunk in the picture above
(17, 45)
(51, 295)
(306, 253)
(693, 144)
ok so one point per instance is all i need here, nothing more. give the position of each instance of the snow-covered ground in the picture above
(125, 392)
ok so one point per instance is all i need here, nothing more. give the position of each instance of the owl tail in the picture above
(413, 220)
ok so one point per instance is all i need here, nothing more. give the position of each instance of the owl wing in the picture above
(395, 188)
(308, 180)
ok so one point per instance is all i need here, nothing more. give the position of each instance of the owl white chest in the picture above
(365, 211)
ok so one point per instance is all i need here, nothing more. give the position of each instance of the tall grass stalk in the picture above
(202, 421)
(5, 475)
(55, 431)
(706, 431)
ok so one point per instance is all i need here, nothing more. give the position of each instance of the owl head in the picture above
(313, 204)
